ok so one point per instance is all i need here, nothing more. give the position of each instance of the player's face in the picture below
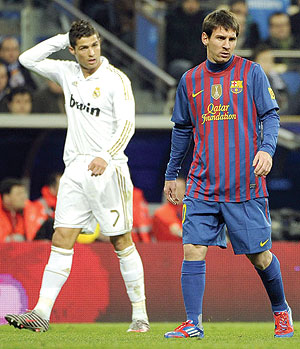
(220, 45)
(87, 52)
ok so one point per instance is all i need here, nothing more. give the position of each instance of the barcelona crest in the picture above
(236, 86)
(96, 92)
(216, 91)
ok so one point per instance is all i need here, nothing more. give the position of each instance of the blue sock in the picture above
(193, 285)
(272, 280)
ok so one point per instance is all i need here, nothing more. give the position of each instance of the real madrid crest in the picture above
(236, 86)
(216, 91)
(96, 92)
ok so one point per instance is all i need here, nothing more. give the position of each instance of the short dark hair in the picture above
(220, 18)
(80, 29)
(7, 184)
(22, 90)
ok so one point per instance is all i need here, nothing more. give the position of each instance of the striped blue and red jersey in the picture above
(226, 110)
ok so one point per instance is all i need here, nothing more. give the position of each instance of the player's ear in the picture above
(204, 38)
(72, 50)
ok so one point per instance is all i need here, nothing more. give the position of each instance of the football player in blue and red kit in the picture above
(224, 104)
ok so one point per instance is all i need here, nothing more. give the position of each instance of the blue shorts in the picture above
(248, 224)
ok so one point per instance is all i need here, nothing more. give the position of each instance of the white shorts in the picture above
(83, 200)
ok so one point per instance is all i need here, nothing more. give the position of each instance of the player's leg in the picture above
(201, 227)
(192, 285)
(268, 268)
(252, 237)
(55, 275)
(112, 208)
(132, 271)
(193, 281)
(72, 213)
(57, 270)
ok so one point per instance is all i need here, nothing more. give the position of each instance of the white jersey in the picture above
(100, 108)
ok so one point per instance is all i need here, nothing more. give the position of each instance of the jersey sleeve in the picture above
(181, 133)
(124, 117)
(264, 96)
(180, 142)
(36, 59)
(266, 107)
(270, 122)
(181, 108)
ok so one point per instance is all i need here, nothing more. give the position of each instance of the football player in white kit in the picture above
(96, 185)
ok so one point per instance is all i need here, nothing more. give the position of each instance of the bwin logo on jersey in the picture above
(81, 106)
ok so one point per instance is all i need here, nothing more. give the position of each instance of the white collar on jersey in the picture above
(103, 66)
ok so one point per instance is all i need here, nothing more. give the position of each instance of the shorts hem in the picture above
(251, 252)
(204, 244)
(122, 232)
(58, 225)
(75, 226)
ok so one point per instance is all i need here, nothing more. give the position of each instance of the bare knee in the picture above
(120, 242)
(65, 237)
(260, 260)
(194, 252)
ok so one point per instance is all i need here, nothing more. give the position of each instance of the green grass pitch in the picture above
(114, 335)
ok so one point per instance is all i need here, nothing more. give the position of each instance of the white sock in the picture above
(139, 311)
(132, 271)
(55, 275)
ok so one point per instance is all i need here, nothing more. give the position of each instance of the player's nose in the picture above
(226, 44)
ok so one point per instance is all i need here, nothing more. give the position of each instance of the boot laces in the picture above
(282, 321)
(184, 324)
